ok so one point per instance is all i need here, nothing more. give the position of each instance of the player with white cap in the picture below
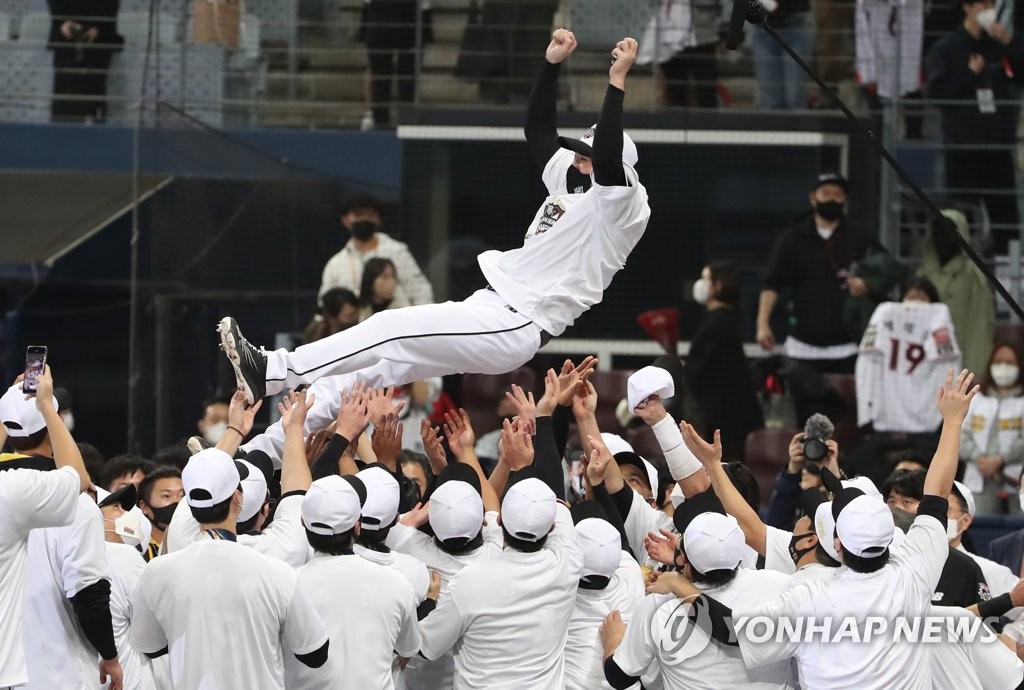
(189, 602)
(536, 291)
(507, 617)
(368, 608)
(31, 499)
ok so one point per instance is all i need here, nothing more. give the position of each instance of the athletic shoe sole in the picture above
(230, 336)
(197, 444)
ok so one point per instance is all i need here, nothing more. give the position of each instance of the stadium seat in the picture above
(17, 9)
(34, 27)
(481, 394)
(6, 21)
(26, 80)
(765, 453)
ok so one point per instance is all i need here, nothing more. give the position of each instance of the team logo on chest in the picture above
(554, 209)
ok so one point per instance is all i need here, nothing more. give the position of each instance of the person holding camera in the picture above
(809, 451)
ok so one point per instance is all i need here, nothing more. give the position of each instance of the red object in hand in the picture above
(663, 327)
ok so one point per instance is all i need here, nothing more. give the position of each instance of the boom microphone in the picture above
(744, 11)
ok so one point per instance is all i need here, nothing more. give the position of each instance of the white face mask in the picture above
(128, 528)
(986, 18)
(952, 528)
(701, 291)
(1004, 374)
(214, 433)
(69, 420)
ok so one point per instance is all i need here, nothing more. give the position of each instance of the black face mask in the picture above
(795, 553)
(363, 230)
(162, 516)
(830, 210)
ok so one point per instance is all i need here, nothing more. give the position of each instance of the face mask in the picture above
(69, 420)
(127, 527)
(952, 528)
(1004, 374)
(162, 516)
(830, 210)
(701, 291)
(795, 553)
(986, 18)
(214, 433)
(363, 230)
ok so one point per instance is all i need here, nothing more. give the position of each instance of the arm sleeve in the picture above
(607, 157)
(782, 504)
(92, 611)
(327, 463)
(681, 462)
(303, 631)
(777, 647)
(547, 459)
(425, 608)
(441, 629)
(946, 80)
(616, 677)
(408, 640)
(561, 419)
(623, 500)
(41, 499)
(604, 498)
(541, 127)
(285, 537)
(146, 634)
(923, 553)
(779, 273)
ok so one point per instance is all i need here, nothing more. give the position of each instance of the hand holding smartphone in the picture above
(35, 364)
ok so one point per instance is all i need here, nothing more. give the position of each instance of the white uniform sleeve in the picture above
(563, 541)
(326, 403)
(443, 627)
(776, 550)
(40, 499)
(623, 210)
(777, 647)
(642, 519)
(555, 171)
(636, 653)
(404, 539)
(83, 550)
(408, 641)
(285, 537)
(147, 636)
(303, 631)
(922, 555)
(182, 531)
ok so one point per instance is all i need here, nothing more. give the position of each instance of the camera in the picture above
(817, 431)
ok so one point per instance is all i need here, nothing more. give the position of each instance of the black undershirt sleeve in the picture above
(157, 655)
(623, 499)
(935, 506)
(92, 610)
(327, 463)
(607, 157)
(602, 496)
(541, 128)
(315, 659)
(425, 608)
(546, 458)
(720, 617)
(561, 418)
(616, 677)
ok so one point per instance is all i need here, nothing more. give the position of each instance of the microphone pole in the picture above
(756, 14)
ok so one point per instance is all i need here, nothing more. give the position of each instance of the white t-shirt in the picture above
(507, 618)
(227, 614)
(29, 499)
(979, 664)
(715, 665)
(126, 566)
(584, 653)
(411, 569)
(62, 561)
(574, 246)
(995, 425)
(903, 587)
(906, 349)
(369, 612)
(643, 518)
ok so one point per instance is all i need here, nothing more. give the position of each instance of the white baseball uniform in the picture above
(573, 248)
(889, 37)
(994, 426)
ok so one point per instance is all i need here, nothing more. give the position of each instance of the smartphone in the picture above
(35, 363)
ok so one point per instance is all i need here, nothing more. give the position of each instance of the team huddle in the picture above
(298, 559)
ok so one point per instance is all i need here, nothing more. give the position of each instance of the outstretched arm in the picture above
(607, 158)
(540, 129)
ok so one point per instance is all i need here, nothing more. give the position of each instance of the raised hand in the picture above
(672, 583)
(623, 57)
(563, 43)
(584, 403)
(708, 453)
(570, 376)
(241, 415)
(293, 410)
(954, 398)
(316, 441)
(526, 408)
(459, 431)
(417, 517)
(432, 446)
(380, 403)
(612, 631)
(662, 547)
(387, 440)
(597, 460)
(44, 389)
(353, 415)
(651, 410)
(516, 449)
(552, 390)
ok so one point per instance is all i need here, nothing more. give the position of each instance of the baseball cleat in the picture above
(249, 362)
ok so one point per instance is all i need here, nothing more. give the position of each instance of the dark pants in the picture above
(387, 63)
(993, 172)
(79, 84)
(698, 65)
(811, 392)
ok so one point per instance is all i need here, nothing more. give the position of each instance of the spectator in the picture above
(962, 287)
(215, 419)
(416, 467)
(717, 375)
(83, 37)
(94, 461)
(378, 288)
(993, 445)
(339, 309)
(389, 28)
(361, 218)
(683, 38)
(975, 65)
(781, 84)
(125, 469)
(158, 496)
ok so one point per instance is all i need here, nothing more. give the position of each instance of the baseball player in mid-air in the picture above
(595, 213)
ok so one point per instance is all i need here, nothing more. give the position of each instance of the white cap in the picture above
(623, 414)
(210, 477)
(865, 527)
(865, 485)
(968, 496)
(677, 496)
(528, 511)
(649, 381)
(382, 498)
(615, 443)
(825, 528)
(456, 511)
(601, 546)
(713, 541)
(331, 506)
(19, 416)
(254, 489)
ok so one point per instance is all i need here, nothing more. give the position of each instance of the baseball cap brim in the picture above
(576, 146)
(126, 497)
(704, 502)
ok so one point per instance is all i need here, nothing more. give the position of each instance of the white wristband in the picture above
(681, 462)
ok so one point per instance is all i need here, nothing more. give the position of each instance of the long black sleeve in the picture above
(616, 677)
(327, 463)
(561, 419)
(623, 499)
(316, 658)
(604, 498)
(720, 617)
(92, 609)
(607, 157)
(541, 129)
(425, 608)
(547, 459)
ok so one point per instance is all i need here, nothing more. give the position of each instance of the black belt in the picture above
(545, 337)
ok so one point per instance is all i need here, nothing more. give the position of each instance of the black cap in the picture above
(704, 502)
(577, 146)
(587, 509)
(461, 472)
(63, 396)
(627, 457)
(831, 178)
(262, 462)
(127, 496)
